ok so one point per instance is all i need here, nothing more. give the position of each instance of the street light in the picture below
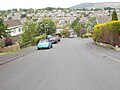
(86, 28)
(46, 29)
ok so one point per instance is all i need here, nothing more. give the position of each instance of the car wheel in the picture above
(56, 42)
(51, 46)
(38, 48)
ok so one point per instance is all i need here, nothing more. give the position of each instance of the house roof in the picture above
(12, 23)
(103, 19)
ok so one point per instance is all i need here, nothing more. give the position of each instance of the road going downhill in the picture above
(70, 65)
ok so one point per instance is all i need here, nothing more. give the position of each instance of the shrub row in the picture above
(34, 41)
(37, 39)
(108, 33)
(87, 35)
(6, 42)
(82, 31)
(65, 33)
(10, 48)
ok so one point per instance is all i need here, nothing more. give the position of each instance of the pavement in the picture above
(15, 55)
(104, 51)
(72, 64)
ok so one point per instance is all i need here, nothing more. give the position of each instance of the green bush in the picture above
(30, 32)
(107, 33)
(8, 41)
(65, 33)
(87, 35)
(37, 39)
(2, 44)
(114, 16)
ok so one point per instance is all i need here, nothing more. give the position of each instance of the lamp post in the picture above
(46, 29)
(86, 28)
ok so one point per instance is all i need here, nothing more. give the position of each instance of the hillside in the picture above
(97, 5)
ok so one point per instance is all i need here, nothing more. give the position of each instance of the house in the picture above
(15, 27)
(103, 19)
(58, 31)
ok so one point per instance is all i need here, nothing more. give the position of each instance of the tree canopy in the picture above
(75, 22)
(114, 16)
(65, 33)
(78, 27)
(3, 29)
(46, 26)
(30, 32)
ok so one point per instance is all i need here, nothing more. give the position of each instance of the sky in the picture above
(10, 4)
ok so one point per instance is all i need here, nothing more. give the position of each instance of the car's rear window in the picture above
(43, 41)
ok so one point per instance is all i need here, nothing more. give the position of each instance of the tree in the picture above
(14, 10)
(3, 29)
(75, 22)
(114, 16)
(28, 18)
(82, 31)
(109, 8)
(91, 23)
(5, 15)
(2, 13)
(46, 26)
(9, 18)
(30, 32)
(30, 10)
(57, 21)
(49, 8)
(23, 15)
(9, 11)
(78, 27)
(23, 10)
(109, 11)
(36, 11)
(35, 19)
(65, 33)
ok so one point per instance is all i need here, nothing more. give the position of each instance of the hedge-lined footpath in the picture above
(108, 46)
(108, 33)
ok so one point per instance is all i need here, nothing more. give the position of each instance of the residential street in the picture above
(72, 64)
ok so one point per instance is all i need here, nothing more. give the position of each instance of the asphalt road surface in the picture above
(70, 65)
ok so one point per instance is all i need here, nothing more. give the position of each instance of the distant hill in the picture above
(97, 5)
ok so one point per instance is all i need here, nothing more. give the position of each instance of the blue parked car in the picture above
(44, 44)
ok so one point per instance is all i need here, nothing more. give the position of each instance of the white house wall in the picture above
(15, 30)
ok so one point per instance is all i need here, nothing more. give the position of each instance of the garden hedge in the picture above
(108, 33)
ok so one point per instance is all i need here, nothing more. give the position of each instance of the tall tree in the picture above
(30, 32)
(3, 29)
(114, 16)
(75, 22)
(78, 27)
(46, 26)
(91, 23)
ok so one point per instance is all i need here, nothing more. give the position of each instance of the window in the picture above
(19, 30)
(14, 30)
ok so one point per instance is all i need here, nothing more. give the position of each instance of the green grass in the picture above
(5, 53)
